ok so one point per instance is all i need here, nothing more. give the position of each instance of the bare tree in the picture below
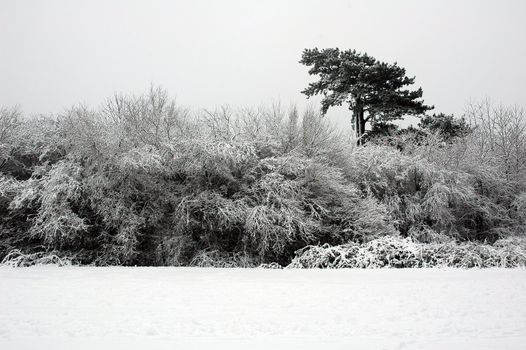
(10, 119)
(221, 123)
(499, 133)
(149, 119)
(292, 137)
(251, 122)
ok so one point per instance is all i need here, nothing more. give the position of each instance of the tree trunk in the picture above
(362, 123)
(357, 125)
(359, 121)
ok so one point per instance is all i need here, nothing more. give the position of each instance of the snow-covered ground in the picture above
(192, 308)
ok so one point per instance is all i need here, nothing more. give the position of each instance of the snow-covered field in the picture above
(192, 308)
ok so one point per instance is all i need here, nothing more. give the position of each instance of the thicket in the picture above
(143, 181)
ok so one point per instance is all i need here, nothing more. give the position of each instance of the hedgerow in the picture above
(396, 252)
(142, 181)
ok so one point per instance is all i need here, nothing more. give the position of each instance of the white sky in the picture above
(54, 53)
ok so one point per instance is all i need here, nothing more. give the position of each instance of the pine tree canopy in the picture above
(366, 84)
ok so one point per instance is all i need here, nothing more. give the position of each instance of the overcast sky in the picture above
(54, 54)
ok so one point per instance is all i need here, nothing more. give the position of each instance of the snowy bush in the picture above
(55, 192)
(381, 252)
(215, 258)
(16, 258)
(395, 252)
(419, 193)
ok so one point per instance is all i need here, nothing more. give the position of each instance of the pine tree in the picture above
(374, 90)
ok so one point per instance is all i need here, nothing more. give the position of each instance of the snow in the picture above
(192, 308)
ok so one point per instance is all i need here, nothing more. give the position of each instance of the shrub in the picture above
(519, 209)
(215, 258)
(418, 193)
(54, 193)
(127, 201)
(16, 258)
(395, 252)
(210, 221)
(381, 252)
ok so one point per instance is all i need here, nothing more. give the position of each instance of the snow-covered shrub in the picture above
(13, 226)
(513, 250)
(425, 234)
(128, 201)
(362, 219)
(54, 193)
(396, 252)
(271, 230)
(325, 256)
(32, 143)
(276, 217)
(519, 210)
(175, 249)
(215, 258)
(16, 258)
(419, 193)
(296, 200)
(272, 266)
(232, 200)
(9, 188)
(382, 252)
(202, 164)
(210, 221)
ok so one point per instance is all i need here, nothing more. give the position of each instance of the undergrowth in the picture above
(16, 258)
(396, 252)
